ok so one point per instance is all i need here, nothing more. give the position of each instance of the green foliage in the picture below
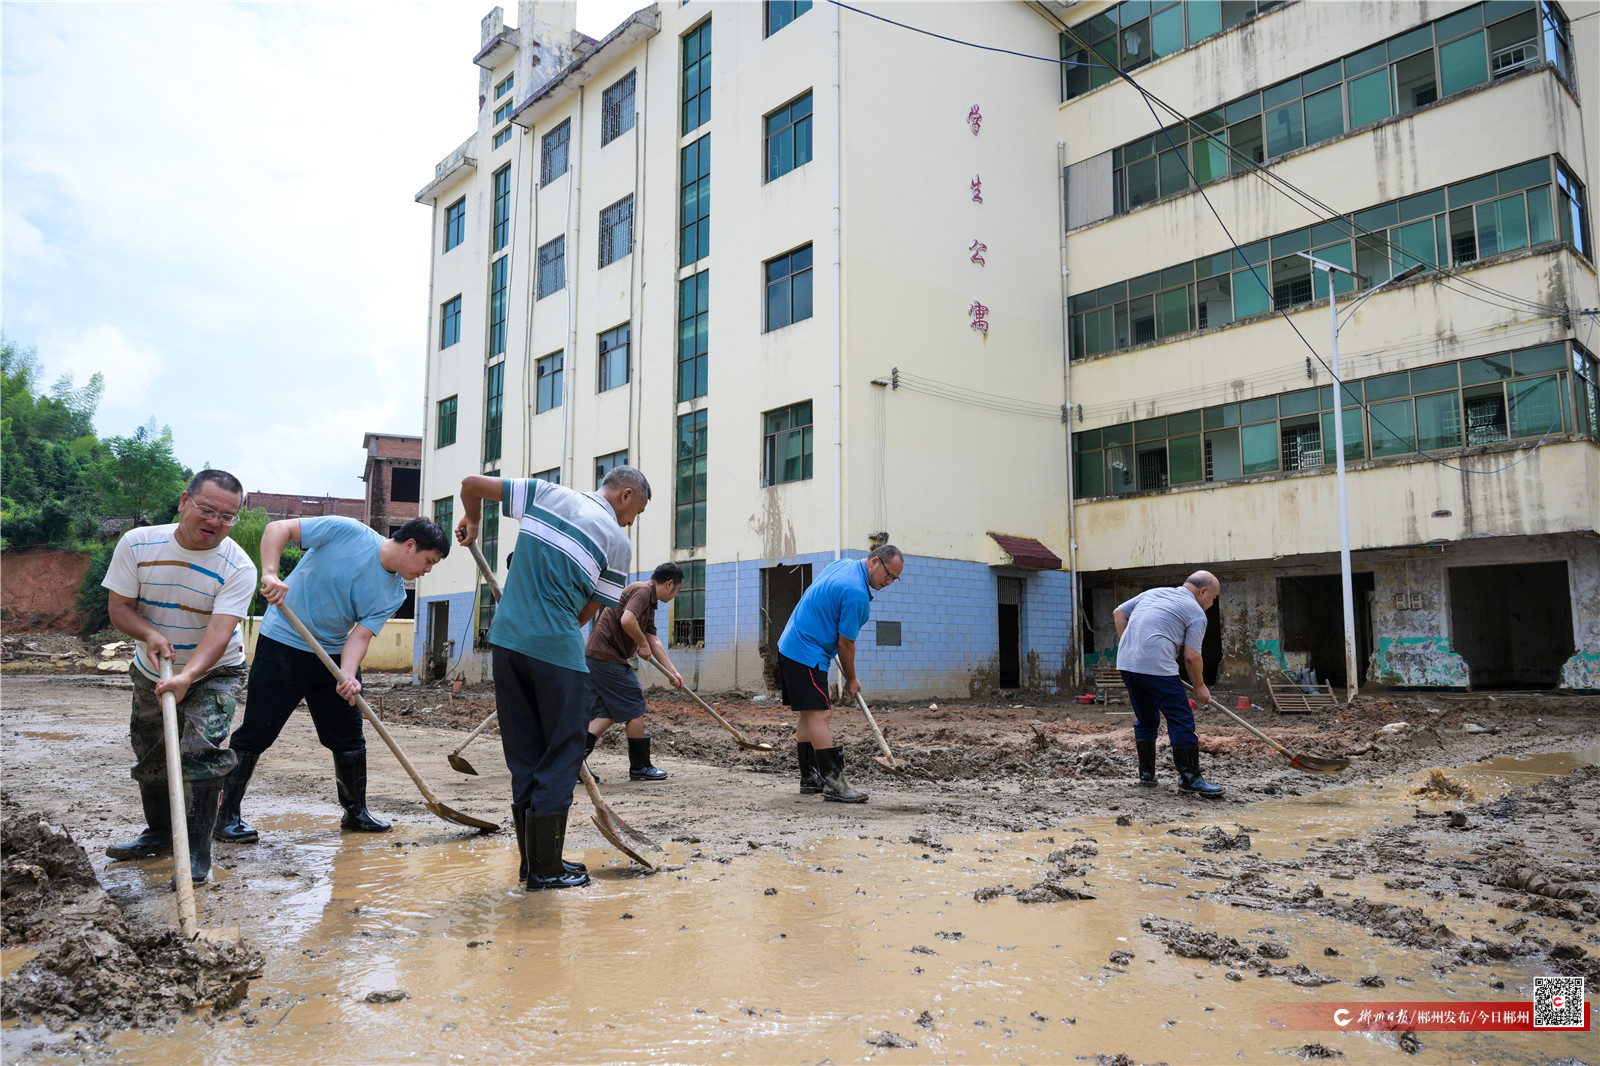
(247, 534)
(143, 479)
(94, 601)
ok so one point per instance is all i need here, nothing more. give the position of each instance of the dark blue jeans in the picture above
(280, 677)
(1154, 695)
(541, 708)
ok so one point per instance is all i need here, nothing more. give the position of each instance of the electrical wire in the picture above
(971, 397)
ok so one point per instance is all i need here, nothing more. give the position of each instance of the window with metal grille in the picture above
(552, 267)
(613, 361)
(1486, 419)
(547, 393)
(553, 153)
(616, 109)
(689, 500)
(616, 231)
(689, 605)
(1302, 447)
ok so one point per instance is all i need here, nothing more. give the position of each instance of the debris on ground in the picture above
(1440, 786)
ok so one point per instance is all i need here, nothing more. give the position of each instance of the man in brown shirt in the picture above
(614, 692)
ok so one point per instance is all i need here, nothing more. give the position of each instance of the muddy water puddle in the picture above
(807, 953)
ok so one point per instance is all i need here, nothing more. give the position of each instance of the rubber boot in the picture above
(157, 837)
(810, 776)
(830, 761)
(203, 797)
(350, 773)
(1187, 760)
(231, 826)
(545, 834)
(519, 817)
(1147, 762)
(589, 741)
(639, 768)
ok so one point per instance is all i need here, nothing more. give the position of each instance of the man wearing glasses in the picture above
(180, 590)
(825, 623)
(348, 583)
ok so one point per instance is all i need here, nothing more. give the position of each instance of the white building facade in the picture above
(938, 285)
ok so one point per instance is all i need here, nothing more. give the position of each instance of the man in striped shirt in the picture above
(575, 560)
(180, 591)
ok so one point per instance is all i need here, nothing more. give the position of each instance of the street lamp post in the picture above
(1351, 668)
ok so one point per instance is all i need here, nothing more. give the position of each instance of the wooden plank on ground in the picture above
(1291, 698)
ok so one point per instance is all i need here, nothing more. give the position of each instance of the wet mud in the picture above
(1017, 899)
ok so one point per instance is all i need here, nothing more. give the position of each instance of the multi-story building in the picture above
(281, 505)
(393, 476)
(942, 271)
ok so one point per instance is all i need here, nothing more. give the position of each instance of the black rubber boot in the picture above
(1147, 762)
(231, 826)
(519, 818)
(203, 797)
(157, 837)
(1187, 760)
(830, 761)
(350, 773)
(639, 768)
(589, 741)
(545, 835)
(810, 776)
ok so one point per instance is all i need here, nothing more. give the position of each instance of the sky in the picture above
(213, 206)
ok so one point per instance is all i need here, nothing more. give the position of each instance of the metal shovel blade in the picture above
(1313, 765)
(459, 762)
(617, 842)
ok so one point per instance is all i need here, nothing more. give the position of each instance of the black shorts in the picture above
(805, 688)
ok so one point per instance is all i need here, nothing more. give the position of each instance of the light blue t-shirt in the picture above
(1160, 621)
(836, 605)
(569, 551)
(337, 584)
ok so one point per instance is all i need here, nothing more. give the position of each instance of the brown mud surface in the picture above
(82, 961)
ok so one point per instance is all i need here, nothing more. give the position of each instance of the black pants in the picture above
(541, 708)
(280, 678)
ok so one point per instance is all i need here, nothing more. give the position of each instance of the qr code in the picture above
(1557, 1002)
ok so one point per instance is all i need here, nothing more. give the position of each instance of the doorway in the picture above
(781, 589)
(1512, 624)
(1311, 620)
(1010, 597)
(438, 639)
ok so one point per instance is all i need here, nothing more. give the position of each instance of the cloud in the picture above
(129, 367)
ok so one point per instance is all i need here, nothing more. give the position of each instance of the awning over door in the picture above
(1024, 552)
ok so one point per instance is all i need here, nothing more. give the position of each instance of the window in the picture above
(604, 464)
(689, 605)
(689, 526)
(445, 423)
(486, 606)
(450, 322)
(616, 231)
(1574, 212)
(695, 217)
(501, 113)
(553, 475)
(613, 361)
(455, 223)
(502, 137)
(788, 132)
(505, 86)
(787, 445)
(1498, 212)
(552, 267)
(697, 77)
(489, 531)
(547, 395)
(502, 207)
(553, 153)
(616, 109)
(405, 484)
(694, 331)
(497, 305)
(780, 13)
(493, 410)
(1512, 396)
(788, 288)
(444, 512)
(1139, 31)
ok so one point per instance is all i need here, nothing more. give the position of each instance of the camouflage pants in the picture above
(204, 719)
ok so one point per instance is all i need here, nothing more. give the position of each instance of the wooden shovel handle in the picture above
(188, 923)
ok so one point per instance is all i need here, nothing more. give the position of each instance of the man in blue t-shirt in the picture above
(573, 558)
(824, 624)
(348, 583)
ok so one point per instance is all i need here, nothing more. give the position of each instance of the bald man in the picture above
(1151, 630)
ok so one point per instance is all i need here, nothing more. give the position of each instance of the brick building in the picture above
(394, 480)
(280, 505)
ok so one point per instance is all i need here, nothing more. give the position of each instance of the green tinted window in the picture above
(1118, 434)
(1541, 224)
(1462, 64)
(1091, 474)
(1489, 368)
(1324, 116)
(1369, 98)
(1250, 296)
(1299, 403)
(1434, 378)
(1260, 447)
(1150, 429)
(1389, 386)
(1534, 406)
(1392, 429)
(1188, 422)
(1258, 410)
(1541, 360)
(1185, 461)
(1439, 421)
(1205, 18)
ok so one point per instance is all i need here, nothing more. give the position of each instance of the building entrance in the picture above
(1010, 632)
(438, 639)
(1512, 624)
(781, 589)
(1311, 615)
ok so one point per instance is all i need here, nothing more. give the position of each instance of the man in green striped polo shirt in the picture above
(575, 560)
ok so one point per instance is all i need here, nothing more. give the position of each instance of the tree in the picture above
(49, 453)
(247, 534)
(142, 479)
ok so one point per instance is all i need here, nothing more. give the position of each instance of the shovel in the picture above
(188, 924)
(1311, 764)
(605, 819)
(430, 800)
(762, 746)
(887, 759)
(457, 760)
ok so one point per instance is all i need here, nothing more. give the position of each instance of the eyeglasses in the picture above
(212, 513)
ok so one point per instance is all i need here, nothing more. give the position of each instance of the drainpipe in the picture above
(1076, 644)
(838, 313)
(570, 358)
(427, 393)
